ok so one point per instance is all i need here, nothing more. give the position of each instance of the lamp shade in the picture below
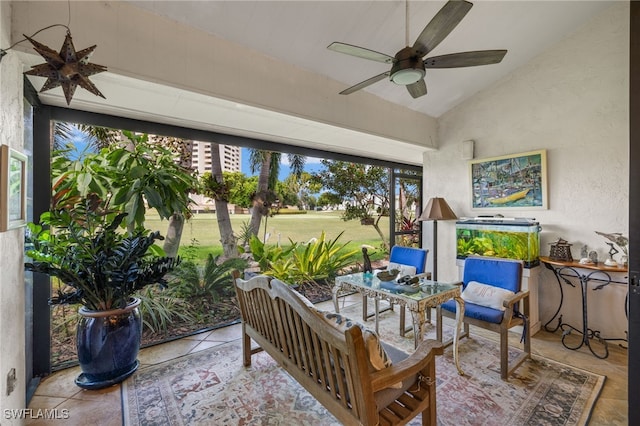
(437, 209)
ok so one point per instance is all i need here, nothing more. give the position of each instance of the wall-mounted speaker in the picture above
(467, 150)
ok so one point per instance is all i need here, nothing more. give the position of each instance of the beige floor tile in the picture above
(166, 351)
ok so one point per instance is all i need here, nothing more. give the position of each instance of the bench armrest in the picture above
(408, 367)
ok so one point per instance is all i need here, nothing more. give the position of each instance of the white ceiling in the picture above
(298, 32)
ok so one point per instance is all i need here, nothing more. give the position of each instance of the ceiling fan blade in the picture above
(365, 83)
(417, 89)
(360, 52)
(441, 25)
(465, 59)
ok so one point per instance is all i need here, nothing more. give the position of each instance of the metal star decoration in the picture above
(68, 68)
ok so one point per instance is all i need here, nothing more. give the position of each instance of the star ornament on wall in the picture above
(68, 68)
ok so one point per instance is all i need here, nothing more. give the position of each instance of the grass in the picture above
(203, 229)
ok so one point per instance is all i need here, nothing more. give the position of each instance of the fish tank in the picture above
(510, 238)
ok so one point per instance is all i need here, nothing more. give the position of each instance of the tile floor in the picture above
(104, 407)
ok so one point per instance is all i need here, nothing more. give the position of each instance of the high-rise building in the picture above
(229, 157)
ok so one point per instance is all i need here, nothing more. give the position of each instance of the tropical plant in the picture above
(101, 266)
(160, 310)
(216, 188)
(268, 163)
(213, 281)
(318, 260)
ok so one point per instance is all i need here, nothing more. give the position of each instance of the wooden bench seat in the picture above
(334, 364)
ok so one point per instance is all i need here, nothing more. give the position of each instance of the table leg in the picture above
(418, 318)
(457, 331)
(377, 309)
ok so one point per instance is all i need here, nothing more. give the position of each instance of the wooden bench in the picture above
(333, 364)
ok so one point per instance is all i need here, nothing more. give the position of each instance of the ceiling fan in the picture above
(408, 66)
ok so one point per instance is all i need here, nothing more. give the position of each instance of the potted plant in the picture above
(100, 266)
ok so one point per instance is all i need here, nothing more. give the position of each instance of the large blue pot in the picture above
(108, 343)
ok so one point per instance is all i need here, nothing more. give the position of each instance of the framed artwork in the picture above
(517, 181)
(13, 188)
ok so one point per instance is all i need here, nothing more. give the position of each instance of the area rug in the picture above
(212, 387)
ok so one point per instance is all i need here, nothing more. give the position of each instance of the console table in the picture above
(585, 273)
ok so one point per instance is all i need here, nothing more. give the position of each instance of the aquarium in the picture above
(499, 237)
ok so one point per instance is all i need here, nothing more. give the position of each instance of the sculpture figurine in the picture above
(366, 264)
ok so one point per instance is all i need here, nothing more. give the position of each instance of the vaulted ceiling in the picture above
(296, 34)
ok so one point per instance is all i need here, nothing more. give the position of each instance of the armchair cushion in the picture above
(408, 256)
(478, 312)
(486, 295)
(404, 269)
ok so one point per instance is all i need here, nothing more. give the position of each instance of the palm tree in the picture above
(216, 188)
(269, 163)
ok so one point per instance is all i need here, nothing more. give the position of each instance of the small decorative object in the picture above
(621, 241)
(68, 68)
(366, 268)
(612, 251)
(388, 275)
(593, 256)
(584, 251)
(561, 250)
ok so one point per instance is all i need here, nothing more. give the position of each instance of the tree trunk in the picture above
(174, 235)
(260, 198)
(376, 226)
(228, 240)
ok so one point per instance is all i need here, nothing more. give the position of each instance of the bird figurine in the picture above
(617, 238)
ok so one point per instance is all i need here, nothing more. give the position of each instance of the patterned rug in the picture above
(212, 388)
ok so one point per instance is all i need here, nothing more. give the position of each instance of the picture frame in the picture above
(516, 181)
(13, 188)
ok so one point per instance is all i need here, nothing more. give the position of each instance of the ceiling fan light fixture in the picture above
(407, 76)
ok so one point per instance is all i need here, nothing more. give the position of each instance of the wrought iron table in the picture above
(584, 273)
(418, 300)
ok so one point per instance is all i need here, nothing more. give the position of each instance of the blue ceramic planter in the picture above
(108, 343)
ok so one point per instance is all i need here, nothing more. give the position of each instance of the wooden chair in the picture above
(505, 313)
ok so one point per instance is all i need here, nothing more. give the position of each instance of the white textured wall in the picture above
(11, 242)
(572, 101)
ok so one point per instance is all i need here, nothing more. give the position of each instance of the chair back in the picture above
(409, 256)
(504, 273)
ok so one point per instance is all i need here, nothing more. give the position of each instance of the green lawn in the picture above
(203, 228)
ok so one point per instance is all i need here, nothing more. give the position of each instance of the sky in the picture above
(312, 164)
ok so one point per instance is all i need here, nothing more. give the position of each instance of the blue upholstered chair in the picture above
(495, 301)
(401, 258)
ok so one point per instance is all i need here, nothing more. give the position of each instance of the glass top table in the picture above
(426, 294)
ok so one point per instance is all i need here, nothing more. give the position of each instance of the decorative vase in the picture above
(108, 343)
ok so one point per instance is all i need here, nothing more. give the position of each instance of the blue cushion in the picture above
(409, 256)
(472, 310)
(502, 273)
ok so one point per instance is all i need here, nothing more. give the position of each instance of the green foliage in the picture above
(241, 188)
(266, 255)
(128, 178)
(101, 267)
(160, 310)
(319, 259)
(213, 281)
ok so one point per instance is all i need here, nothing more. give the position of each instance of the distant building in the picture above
(229, 157)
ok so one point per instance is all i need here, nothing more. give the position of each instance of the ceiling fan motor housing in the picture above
(407, 68)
